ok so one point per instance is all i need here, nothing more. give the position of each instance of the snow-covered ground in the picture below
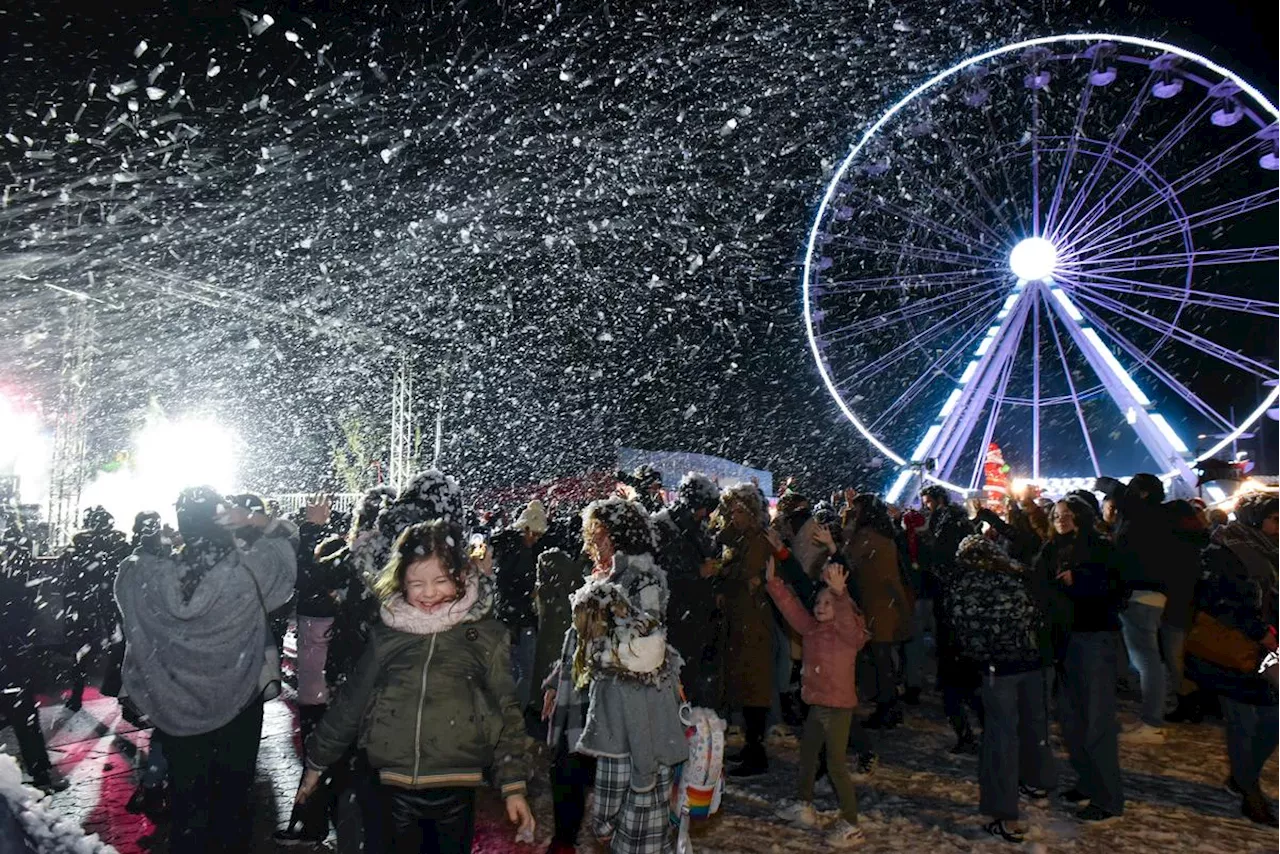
(921, 799)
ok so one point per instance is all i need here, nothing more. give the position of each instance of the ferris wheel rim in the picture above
(831, 189)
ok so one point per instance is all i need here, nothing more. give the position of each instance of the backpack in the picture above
(993, 616)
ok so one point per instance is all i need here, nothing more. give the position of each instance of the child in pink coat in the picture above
(832, 636)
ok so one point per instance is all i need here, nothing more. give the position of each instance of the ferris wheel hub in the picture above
(1033, 259)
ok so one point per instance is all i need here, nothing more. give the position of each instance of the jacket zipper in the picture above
(422, 697)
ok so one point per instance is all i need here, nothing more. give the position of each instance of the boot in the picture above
(886, 716)
(754, 762)
(1257, 808)
(966, 742)
(1188, 710)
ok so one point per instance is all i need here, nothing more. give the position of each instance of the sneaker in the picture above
(1074, 796)
(1143, 734)
(1258, 809)
(296, 834)
(844, 835)
(1095, 813)
(1006, 830)
(867, 763)
(1034, 793)
(801, 813)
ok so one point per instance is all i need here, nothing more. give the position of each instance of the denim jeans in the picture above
(1088, 709)
(1015, 742)
(1141, 625)
(523, 652)
(1251, 739)
(1172, 643)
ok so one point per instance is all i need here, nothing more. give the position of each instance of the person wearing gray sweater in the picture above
(195, 628)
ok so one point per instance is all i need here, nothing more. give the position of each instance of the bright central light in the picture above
(1033, 259)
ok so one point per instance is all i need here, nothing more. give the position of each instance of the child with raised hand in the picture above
(832, 636)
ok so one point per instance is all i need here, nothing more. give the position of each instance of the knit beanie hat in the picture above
(533, 518)
(97, 518)
(198, 510)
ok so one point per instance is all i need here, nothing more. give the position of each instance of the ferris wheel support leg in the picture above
(1159, 438)
(960, 414)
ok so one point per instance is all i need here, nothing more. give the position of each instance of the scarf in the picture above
(475, 604)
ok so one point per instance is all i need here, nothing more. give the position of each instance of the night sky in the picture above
(583, 221)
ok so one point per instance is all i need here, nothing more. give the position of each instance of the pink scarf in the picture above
(403, 617)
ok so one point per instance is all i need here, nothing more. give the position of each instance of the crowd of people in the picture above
(435, 645)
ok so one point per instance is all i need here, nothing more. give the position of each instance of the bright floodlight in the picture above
(1033, 259)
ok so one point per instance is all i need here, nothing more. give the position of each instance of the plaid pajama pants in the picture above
(634, 822)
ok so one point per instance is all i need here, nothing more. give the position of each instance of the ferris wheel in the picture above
(1066, 245)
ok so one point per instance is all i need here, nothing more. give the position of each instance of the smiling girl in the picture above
(431, 701)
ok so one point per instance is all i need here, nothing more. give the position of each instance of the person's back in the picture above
(194, 654)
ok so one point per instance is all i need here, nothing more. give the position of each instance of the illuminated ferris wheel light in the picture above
(1033, 259)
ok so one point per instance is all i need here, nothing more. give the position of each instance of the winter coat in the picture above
(432, 701)
(1091, 602)
(355, 614)
(17, 619)
(88, 572)
(1242, 597)
(559, 574)
(515, 566)
(828, 677)
(633, 708)
(1181, 575)
(1143, 537)
(937, 544)
(318, 584)
(683, 547)
(749, 614)
(192, 665)
(875, 580)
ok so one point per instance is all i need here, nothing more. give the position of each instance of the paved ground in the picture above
(921, 799)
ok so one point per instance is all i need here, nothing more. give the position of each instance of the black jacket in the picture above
(1143, 537)
(1091, 602)
(516, 577)
(683, 544)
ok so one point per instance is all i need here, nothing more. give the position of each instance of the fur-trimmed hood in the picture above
(615, 636)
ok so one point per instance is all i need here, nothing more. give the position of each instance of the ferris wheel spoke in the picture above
(1099, 166)
(1073, 145)
(1180, 260)
(1171, 228)
(910, 311)
(930, 373)
(1035, 161)
(1075, 398)
(1204, 299)
(898, 353)
(1118, 190)
(1167, 191)
(979, 187)
(1155, 369)
(898, 282)
(1185, 336)
(964, 212)
(922, 253)
(922, 221)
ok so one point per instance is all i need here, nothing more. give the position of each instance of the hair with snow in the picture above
(697, 492)
(625, 521)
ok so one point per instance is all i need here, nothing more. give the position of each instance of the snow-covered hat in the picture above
(533, 518)
(697, 492)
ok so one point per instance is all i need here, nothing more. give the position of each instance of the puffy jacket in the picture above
(830, 648)
(516, 573)
(431, 710)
